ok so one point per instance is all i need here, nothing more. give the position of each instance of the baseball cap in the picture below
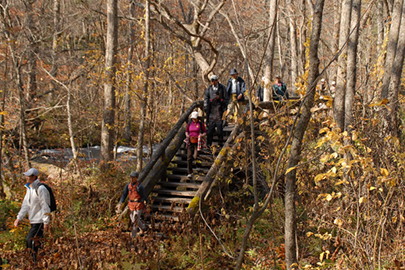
(214, 78)
(31, 171)
(134, 174)
(194, 115)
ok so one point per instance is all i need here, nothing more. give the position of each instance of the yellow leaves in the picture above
(384, 172)
(322, 255)
(378, 104)
(290, 169)
(362, 200)
(329, 197)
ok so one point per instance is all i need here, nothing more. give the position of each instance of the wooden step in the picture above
(167, 217)
(169, 208)
(178, 170)
(182, 193)
(179, 184)
(176, 200)
(184, 178)
(183, 163)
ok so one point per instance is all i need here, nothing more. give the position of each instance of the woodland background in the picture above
(326, 192)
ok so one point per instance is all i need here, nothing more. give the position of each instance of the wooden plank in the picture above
(170, 208)
(172, 200)
(183, 193)
(179, 184)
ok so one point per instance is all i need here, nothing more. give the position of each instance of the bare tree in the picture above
(396, 79)
(107, 129)
(268, 72)
(144, 99)
(339, 104)
(296, 144)
(392, 46)
(351, 64)
(127, 98)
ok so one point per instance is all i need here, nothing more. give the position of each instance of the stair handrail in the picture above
(166, 141)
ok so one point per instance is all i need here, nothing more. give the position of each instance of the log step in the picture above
(169, 208)
(176, 200)
(183, 193)
(179, 184)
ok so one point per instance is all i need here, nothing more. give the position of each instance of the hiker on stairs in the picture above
(214, 104)
(195, 133)
(136, 195)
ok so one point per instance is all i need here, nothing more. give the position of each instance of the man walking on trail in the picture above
(136, 195)
(279, 90)
(235, 91)
(214, 104)
(37, 204)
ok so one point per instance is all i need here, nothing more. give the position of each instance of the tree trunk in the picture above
(107, 129)
(351, 64)
(127, 98)
(339, 104)
(392, 46)
(335, 40)
(268, 70)
(396, 80)
(144, 100)
(290, 214)
(380, 25)
(293, 44)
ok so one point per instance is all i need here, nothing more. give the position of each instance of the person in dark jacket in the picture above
(279, 90)
(136, 195)
(235, 91)
(214, 104)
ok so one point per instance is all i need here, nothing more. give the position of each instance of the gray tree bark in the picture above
(144, 100)
(268, 70)
(351, 64)
(127, 98)
(293, 44)
(339, 103)
(107, 128)
(396, 80)
(296, 144)
(392, 46)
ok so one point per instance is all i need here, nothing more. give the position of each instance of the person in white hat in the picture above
(36, 203)
(214, 105)
(195, 132)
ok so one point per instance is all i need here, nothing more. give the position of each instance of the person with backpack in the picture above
(235, 93)
(214, 104)
(136, 195)
(279, 90)
(195, 133)
(36, 203)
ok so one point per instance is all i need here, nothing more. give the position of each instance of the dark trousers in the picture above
(32, 241)
(191, 154)
(211, 130)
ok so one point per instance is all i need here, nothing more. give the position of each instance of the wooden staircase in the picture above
(175, 191)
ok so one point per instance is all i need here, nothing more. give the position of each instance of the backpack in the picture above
(51, 196)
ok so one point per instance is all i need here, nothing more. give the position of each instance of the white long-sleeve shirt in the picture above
(36, 204)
